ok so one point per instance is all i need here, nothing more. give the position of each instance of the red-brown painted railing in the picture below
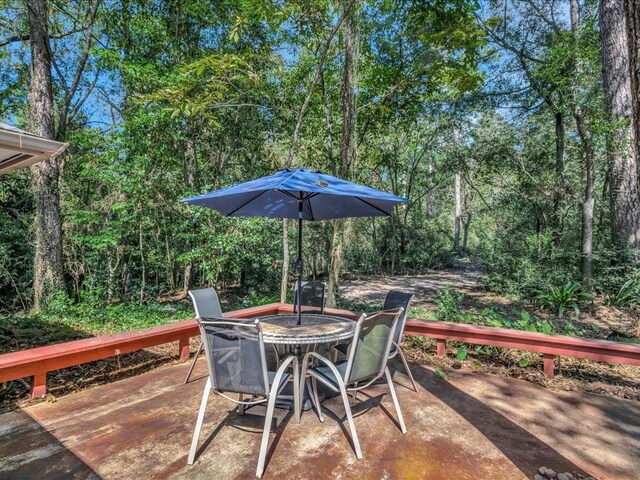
(549, 345)
(36, 362)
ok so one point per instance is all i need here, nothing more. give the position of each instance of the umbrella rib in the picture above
(246, 203)
(373, 206)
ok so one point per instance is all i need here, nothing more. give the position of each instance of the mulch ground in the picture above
(571, 374)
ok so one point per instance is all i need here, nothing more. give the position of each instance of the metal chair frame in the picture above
(347, 385)
(312, 284)
(391, 303)
(216, 311)
(271, 390)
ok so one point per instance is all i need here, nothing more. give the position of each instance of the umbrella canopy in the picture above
(299, 193)
(280, 195)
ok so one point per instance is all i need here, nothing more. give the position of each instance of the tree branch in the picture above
(25, 37)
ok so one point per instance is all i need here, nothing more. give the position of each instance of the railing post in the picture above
(183, 348)
(441, 347)
(549, 361)
(39, 386)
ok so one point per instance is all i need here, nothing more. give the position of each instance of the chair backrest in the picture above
(206, 303)
(371, 344)
(235, 356)
(312, 297)
(394, 300)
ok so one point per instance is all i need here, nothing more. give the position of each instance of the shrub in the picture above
(628, 294)
(448, 305)
(561, 298)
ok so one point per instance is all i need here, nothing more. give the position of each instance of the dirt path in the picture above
(463, 278)
(595, 320)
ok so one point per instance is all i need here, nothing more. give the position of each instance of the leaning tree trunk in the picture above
(48, 277)
(588, 202)
(625, 201)
(348, 143)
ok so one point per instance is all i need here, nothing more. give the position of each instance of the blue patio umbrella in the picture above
(298, 193)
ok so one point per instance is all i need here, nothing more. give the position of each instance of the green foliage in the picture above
(256, 299)
(561, 298)
(184, 100)
(461, 354)
(518, 319)
(440, 373)
(449, 305)
(627, 295)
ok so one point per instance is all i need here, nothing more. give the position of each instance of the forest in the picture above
(510, 125)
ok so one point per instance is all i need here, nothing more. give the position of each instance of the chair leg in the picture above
(240, 405)
(193, 362)
(315, 399)
(403, 428)
(296, 391)
(354, 395)
(271, 404)
(196, 432)
(406, 367)
(352, 426)
(265, 434)
(311, 385)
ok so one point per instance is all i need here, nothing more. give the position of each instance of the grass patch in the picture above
(65, 321)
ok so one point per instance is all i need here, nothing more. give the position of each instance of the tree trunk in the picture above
(560, 182)
(429, 198)
(625, 201)
(632, 11)
(465, 229)
(458, 213)
(349, 141)
(284, 281)
(191, 174)
(48, 278)
(586, 263)
(335, 262)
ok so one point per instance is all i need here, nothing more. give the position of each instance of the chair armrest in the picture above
(326, 361)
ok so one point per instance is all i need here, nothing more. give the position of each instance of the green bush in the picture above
(449, 305)
(521, 321)
(628, 294)
(561, 298)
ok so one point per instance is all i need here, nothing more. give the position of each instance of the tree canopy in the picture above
(493, 118)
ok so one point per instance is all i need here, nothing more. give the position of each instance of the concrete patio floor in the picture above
(469, 426)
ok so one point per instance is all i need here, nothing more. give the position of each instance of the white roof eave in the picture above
(36, 148)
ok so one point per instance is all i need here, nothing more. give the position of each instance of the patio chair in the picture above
(394, 300)
(206, 305)
(366, 363)
(237, 364)
(312, 298)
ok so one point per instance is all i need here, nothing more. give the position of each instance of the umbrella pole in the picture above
(299, 264)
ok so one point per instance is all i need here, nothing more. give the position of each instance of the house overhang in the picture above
(19, 149)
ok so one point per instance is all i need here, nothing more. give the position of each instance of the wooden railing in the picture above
(36, 362)
(549, 346)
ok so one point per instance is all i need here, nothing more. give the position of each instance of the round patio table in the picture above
(315, 330)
